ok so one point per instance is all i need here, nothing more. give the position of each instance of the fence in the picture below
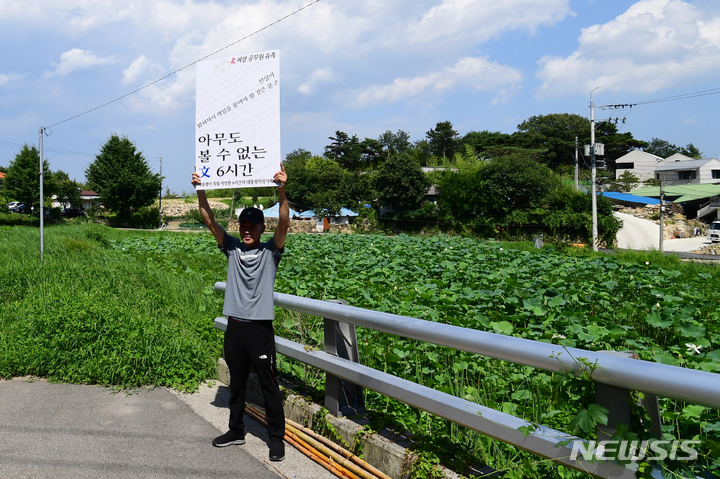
(616, 372)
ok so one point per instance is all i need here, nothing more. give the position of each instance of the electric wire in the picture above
(682, 96)
(186, 66)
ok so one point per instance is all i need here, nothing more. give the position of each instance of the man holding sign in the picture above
(249, 307)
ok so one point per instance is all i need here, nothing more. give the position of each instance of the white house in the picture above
(689, 172)
(639, 163)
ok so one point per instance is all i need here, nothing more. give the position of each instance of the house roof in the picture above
(274, 212)
(681, 193)
(628, 198)
(634, 153)
(88, 193)
(685, 165)
(678, 157)
(2, 175)
(343, 212)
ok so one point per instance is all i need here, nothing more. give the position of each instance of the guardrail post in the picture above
(617, 401)
(342, 398)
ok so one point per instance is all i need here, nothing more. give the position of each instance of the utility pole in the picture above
(42, 198)
(577, 184)
(592, 157)
(662, 208)
(160, 204)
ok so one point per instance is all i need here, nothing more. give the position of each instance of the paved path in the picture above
(639, 234)
(65, 430)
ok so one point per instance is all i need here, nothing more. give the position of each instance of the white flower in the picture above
(693, 348)
(556, 335)
(647, 262)
(395, 287)
(656, 304)
(500, 249)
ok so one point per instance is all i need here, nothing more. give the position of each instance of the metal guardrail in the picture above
(689, 385)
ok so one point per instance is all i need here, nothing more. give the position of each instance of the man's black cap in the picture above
(252, 214)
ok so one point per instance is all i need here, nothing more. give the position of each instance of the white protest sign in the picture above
(237, 121)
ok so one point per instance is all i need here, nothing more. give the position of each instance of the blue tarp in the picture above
(642, 200)
(273, 212)
(343, 212)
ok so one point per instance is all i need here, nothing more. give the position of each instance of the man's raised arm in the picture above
(283, 210)
(206, 213)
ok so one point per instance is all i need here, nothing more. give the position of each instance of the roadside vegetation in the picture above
(127, 309)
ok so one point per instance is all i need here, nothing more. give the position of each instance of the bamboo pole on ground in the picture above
(307, 449)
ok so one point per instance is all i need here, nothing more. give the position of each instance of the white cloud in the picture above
(653, 45)
(8, 77)
(484, 19)
(471, 73)
(77, 59)
(141, 66)
(321, 75)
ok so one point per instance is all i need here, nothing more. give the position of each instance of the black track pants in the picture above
(253, 343)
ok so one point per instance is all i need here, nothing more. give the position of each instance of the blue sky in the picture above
(361, 67)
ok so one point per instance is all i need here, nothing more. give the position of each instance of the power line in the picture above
(683, 96)
(54, 150)
(187, 66)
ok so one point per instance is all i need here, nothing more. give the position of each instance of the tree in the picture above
(401, 182)
(372, 152)
(625, 182)
(122, 178)
(556, 134)
(661, 148)
(443, 139)
(481, 141)
(665, 149)
(691, 151)
(345, 150)
(68, 191)
(461, 194)
(22, 181)
(517, 182)
(395, 142)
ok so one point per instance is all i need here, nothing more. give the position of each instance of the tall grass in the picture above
(90, 314)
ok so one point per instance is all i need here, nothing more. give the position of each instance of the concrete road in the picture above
(642, 234)
(65, 430)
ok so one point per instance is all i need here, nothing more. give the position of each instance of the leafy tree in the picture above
(298, 185)
(461, 194)
(345, 150)
(421, 152)
(442, 139)
(665, 149)
(517, 182)
(122, 178)
(625, 182)
(556, 134)
(661, 148)
(68, 191)
(398, 142)
(358, 188)
(372, 152)
(316, 182)
(481, 141)
(691, 151)
(22, 181)
(401, 182)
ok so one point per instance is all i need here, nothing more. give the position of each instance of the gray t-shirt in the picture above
(250, 279)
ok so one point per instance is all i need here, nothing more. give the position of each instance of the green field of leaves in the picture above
(128, 308)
